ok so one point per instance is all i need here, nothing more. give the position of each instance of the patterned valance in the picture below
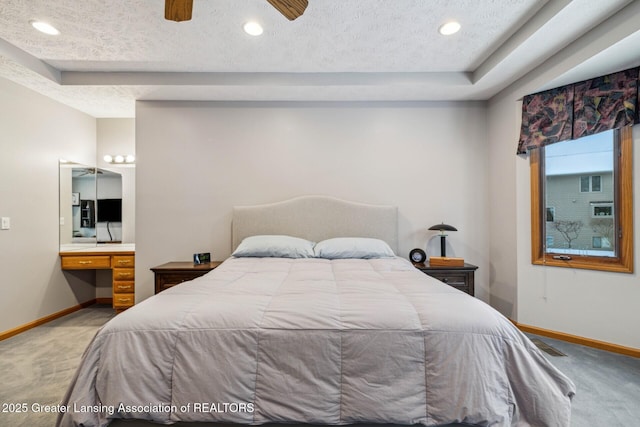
(579, 109)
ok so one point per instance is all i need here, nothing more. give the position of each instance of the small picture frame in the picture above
(75, 199)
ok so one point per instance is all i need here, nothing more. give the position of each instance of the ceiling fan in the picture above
(180, 10)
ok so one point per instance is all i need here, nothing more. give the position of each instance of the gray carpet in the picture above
(36, 367)
(608, 385)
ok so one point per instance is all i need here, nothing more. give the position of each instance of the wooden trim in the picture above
(623, 263)
(600, 345)
(626, 197)
(15, 331)
(536, 171)
(108, 301)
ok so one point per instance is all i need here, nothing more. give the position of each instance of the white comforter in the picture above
(316, 341)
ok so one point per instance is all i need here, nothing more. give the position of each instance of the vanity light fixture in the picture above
(253, 28)
(449, 28)
(120, 159)
(45, 27)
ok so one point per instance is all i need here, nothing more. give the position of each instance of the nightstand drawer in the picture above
(459, 277)
(457, 280)
(176, 272)
(167, 280)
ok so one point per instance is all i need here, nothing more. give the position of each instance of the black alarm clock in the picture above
(417, 256)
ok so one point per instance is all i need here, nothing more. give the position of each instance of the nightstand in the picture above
(459, 277)
(174, 273)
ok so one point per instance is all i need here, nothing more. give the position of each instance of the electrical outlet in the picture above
(6, 223)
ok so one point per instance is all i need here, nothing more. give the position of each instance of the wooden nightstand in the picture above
(459, 277)
(174, 273)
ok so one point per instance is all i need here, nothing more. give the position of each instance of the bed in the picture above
(329, 328)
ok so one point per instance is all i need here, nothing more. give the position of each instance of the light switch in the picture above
(6, 223)
(61, 220)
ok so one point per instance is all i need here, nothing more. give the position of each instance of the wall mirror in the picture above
(90, 206)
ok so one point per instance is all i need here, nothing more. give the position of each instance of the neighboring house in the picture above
(580, 191)
(584, 203)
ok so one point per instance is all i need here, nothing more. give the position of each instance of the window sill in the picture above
(613, 265)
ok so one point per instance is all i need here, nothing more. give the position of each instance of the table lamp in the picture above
(442, 228)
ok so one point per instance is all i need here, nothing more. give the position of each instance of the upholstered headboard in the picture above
(316, 218)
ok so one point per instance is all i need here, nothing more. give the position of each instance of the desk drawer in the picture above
(86, 262)
(120, 287)
(120, 261)
(123, 274)
(123, 300)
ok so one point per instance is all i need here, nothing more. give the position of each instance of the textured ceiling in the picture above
(110, 53)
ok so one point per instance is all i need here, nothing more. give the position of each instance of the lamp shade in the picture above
(443, 227)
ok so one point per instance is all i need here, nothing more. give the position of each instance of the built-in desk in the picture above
(120, 258)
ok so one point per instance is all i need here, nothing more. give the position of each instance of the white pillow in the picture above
(353, 247)
(274, 246)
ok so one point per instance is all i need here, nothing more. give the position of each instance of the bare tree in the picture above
(570, 230)
(603, 227)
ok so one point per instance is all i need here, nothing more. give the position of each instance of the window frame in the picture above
(623, 212)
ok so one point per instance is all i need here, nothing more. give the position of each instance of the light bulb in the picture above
(449, 28)
(253, 28)
(46, 28)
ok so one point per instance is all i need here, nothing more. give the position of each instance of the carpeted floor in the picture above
(36, 367)
(608, 385)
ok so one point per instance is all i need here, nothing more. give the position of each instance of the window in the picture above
(589, 226)
(551, 214)
(602, 210)
(590, 184)
(596, 242)
(549, 240)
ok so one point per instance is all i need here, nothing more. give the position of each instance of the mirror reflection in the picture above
(90, 206)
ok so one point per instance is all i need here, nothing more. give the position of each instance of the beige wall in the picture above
(591, 304)
(117, 136)
(35, 133)
(197, 160)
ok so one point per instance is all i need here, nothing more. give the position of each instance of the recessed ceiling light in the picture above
(45, 28)
(449, 28)
(253, 28)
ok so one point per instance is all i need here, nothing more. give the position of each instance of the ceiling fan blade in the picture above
(291, 9)
(178, 10)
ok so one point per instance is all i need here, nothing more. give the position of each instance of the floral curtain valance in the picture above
(579, 109)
